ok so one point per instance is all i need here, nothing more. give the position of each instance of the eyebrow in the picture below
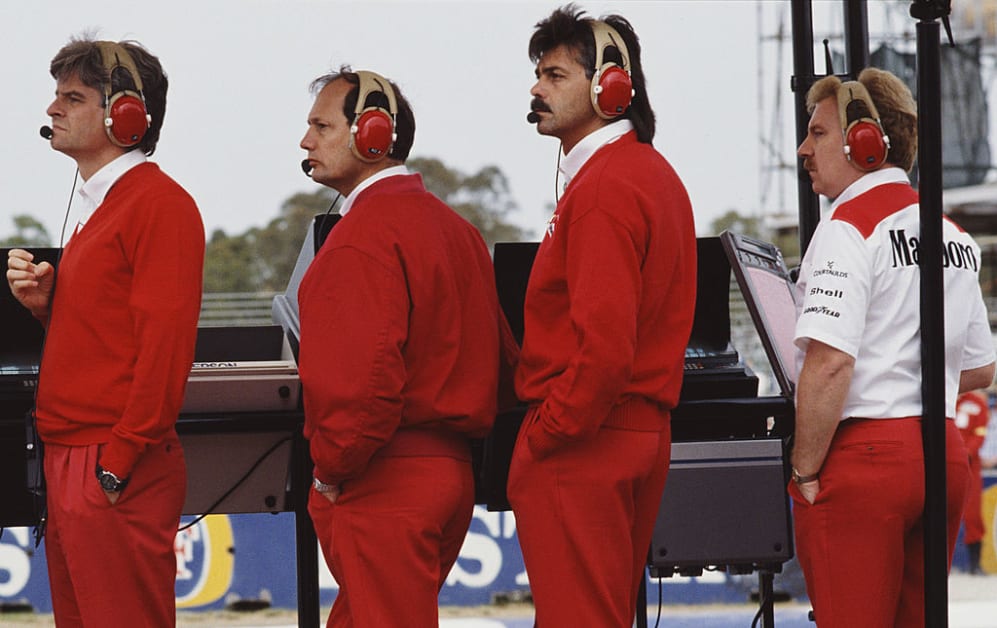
(71, 92)
(550, 69)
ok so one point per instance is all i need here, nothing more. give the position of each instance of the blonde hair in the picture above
(897, 110)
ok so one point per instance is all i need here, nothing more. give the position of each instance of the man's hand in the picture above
(30, 283)
(809, 490)
(329, 491)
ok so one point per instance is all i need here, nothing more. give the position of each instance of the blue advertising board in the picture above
(228, 559)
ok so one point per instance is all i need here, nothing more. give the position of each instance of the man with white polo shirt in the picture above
(858, 468)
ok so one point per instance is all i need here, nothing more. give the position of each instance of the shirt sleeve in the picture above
(354, 311)
(979, 349)
(836, 289)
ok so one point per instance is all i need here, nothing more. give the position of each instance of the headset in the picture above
(125, 117)
(612, 90)
(866, 142)
(372, 134)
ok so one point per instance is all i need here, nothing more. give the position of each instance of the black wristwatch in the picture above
(110, 482)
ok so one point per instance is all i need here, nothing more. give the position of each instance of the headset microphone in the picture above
(533, 117)
(306, 167)
(46, 132)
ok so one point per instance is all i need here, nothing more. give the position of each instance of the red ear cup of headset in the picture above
(612, 88)
(864, 144)
(126, 119)
(373, 134)
(614, 91)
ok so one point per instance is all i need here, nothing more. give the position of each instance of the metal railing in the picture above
(231, 309)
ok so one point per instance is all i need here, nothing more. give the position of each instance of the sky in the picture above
(239, 73)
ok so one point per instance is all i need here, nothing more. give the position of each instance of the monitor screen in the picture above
(513, 262)
(769, 294)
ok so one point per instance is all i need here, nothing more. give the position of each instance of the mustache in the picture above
(538, 105)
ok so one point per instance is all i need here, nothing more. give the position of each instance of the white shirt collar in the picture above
(393, 171)
(868, 181)
(95, 189)
(583, 150)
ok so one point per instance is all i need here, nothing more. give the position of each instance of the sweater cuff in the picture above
(542, 443)
(119, 457)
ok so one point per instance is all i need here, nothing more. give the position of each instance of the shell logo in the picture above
(205, 562)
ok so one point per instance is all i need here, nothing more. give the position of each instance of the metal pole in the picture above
(856, 36)
(929, 130)
(803, 78)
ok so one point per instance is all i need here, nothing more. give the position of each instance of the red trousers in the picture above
(861, 543)
(585, 515)
(393, 535)
(113, 566)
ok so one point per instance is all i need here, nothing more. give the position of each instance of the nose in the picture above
(306, 142)
(53, 109)
(535, 91)
(804, 149)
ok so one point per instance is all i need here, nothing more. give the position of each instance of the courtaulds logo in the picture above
(551, 224)
(830, 270)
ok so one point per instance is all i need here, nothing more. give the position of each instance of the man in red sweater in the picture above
(120, 332)
(399, 358)
(609, 309)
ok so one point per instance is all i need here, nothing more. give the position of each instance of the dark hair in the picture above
(81, 56)
(404, 119)
(568, 26)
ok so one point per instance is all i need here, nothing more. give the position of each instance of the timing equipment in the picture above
(125, 117)
(372, 133)
(866, 142)
(612, 90)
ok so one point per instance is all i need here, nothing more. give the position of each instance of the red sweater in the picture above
(399, 328)
(124, 321)
(610, 300)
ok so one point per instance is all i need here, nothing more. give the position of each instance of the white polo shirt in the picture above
(859, 292)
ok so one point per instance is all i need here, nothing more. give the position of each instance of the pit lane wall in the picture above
(230, 560)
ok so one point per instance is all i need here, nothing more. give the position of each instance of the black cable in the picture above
(657, 620)
(557, 177)
(321, 225)
(762, 601)
(237, 484)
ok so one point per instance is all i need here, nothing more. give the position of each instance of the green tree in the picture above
(262, 258)
(786, 238)
(736, 223)
(483, 198)
(28, 231)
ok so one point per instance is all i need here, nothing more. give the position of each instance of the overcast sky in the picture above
(239, 73)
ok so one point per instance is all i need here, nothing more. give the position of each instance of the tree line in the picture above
(261, 259)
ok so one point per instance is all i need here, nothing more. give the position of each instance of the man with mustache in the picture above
(858, 467)
(608, 313)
